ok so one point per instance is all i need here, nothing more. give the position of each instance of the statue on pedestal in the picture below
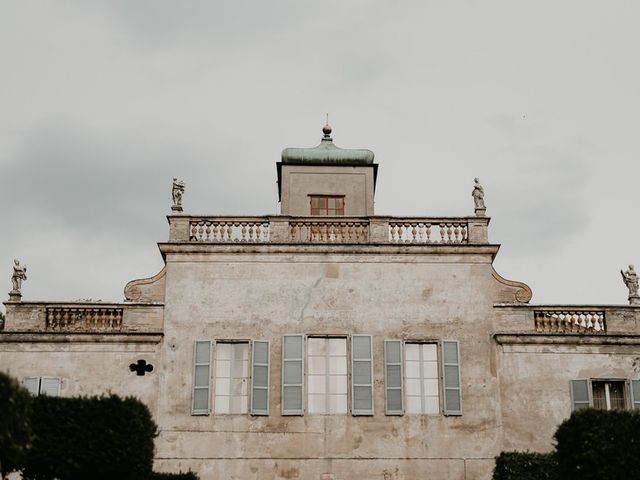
(19, 274)
(630, 279)
(478, 198)
(176, 193)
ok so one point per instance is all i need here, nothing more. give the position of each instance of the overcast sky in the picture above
(102, 103)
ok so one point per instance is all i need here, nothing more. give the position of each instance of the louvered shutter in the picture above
(451, 377)
(580, 394)
(393, 377)
(202, 378)
(50, 386)
(292, 374)
(362, 375)
(32, 384)
(260, 378)
(635, 394)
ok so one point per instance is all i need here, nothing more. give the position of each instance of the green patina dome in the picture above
(327, 154)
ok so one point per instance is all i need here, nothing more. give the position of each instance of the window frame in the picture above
(440, 377)
(212, 390)
(326, 209)
(305, 372)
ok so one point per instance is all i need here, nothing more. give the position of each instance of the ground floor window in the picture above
(42, 385)
(605, 394)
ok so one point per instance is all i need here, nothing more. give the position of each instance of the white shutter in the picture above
(50, 386)
(393, 377)
(32, 384)
(201, 378)
(451, 377)
(362, 375)
(260, 377)
(635, 394)
(292, 375)
(580, 394)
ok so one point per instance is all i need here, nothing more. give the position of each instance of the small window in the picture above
(42, 385)
(327, 205)
(604, 394)
(608, 395)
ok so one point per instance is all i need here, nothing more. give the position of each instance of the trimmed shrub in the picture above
(15, 424)
(174, 476)
(526, 466)
(598, 444)
(102, 438)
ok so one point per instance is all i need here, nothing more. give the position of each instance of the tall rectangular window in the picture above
(327, 205)
(232, 378)
(327, 375)
(421, 378)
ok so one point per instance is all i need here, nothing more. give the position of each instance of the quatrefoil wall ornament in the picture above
(141, 367)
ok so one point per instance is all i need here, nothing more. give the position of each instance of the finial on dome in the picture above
(327, 128)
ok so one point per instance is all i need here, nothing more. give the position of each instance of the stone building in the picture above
(330, 343)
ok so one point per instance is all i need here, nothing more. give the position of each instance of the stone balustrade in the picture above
(428, 231)
(569, 321)
(84, 318)
(248, 230)
(329, 230)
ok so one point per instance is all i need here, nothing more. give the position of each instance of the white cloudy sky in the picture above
(102, 103)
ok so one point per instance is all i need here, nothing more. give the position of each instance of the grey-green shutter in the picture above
(260, 377)
(361, 375)
(635, 394)
(201, 378)
(292, 375)
(393, 377)
(451, 377)
(50, 386)
(32, 384)
(580, 394)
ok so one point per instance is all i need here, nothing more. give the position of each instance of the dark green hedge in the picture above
(101, 438)
(15, 424)
(174, 476)
(596, 444)
(526, 466)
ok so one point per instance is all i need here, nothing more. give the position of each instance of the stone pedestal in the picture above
(634, 299)
(15, 296)
(480, 212)
(176, 208)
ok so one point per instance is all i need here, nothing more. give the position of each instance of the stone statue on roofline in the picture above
(19, 274)
(630, 278)
(176, 193)
(478, 198)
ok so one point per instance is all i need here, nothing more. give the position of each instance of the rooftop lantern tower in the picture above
(327, 180)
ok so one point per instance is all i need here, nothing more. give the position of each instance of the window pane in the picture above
(450, 352)
(451, 376)
(338, 404)
(316, 346)
(240, 369)
(202, 376)
(293, 372)
(599, 396)
(223, 386)
(432, 405)
(616, 395)
(317, 365)
(362, 373)
(223, 351)
(338, 365)
(452, 398)
(394, 378)
(260, 352)
(362, 398)
(201, 399)
(260, 399)
(338, 384)
(394, 400)
(412, 386)
(203, 352)
(430, 352)
(223, 368)
(393, 352)
(412, 369)
(260, 374)
(414, 405)
(317, 404)
(292, 398)
(241, 351)
(338, 346)
(430, 369)
(221, 405)
(362, 348)
(316, 383)
(293, 347)
(238, 386)
(412, 351)
(430, 386)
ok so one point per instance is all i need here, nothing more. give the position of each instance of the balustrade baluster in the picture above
(194, 231)
(428, 232)
(207, 231)
(413, 233)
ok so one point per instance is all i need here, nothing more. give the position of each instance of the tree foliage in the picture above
(15, 424)
(102, 438)
(526, 466)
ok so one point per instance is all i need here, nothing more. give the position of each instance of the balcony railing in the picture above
(84, 318)
(569, 321)
(329, 230)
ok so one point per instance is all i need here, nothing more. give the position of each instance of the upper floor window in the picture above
(42, 385)
(327, 205)
(605, 394)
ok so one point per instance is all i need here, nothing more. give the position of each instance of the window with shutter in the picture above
(260, 378)
(201, 378)
(421, 378)
(327, 375)
(232, 378)
(292, 374)
(451, 378)
(393, 377)
(362, 375)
